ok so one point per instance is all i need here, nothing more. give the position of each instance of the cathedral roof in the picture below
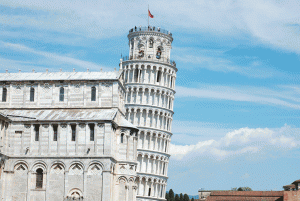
(49, 76)
(60, 114)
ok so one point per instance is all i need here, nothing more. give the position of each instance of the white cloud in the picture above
(241, 141)
(286, 96)
(275, 23)
(52, 56)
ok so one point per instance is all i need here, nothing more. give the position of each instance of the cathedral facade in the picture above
(90, 135)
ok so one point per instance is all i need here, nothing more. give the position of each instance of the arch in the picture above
(21, 162)
(95, 169)
(57, 168)
(75, 193)
(76, 168)
(39, 164)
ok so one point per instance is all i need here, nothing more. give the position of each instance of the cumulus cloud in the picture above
(240, 141)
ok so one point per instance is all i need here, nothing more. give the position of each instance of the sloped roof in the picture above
(246, 196)
(60, 114)
(124, 123)
(112, 75)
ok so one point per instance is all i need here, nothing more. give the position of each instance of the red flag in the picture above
(150, 15)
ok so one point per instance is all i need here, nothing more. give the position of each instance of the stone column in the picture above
(147, 164)
(84, 184)
(76, 138)
(145, 138)
(150, 141)
(127, 147)
(154, 165)
(50, 137)
(151, 119)
(131, 95)
(107, 184)
(128, 114)
(155, 143)
(162, 79)
(156, 190)
(134, 147)
(126, 95)
(66, 182)
(134, 193)
(146, 187)
(126, 192)
(163, 145)
(140, 186)
(143, 97)
(29, 178)
(134, 116)
(140, 118)
(159, 100)
(68, 137)
(40, 138)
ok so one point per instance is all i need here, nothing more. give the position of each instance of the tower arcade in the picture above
(149, 79)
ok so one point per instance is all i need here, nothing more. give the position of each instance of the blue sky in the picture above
(237, 104)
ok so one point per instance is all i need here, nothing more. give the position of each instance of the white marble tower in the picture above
(149, 77)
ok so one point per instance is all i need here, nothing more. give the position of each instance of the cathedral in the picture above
(94, 136)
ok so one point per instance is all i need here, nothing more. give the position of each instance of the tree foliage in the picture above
(192, 199)
(186, 197)
(242, 189)
(181, 197)
(177, 197)
(171, 194)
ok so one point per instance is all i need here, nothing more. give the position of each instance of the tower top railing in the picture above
(149, 29)
(149, 58)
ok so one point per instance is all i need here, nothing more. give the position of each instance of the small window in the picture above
(61, 94)
(158, 76)
(73, 132)
(122, 138)
(37, 132)
(93, 95)
(55, 132)
(92, 132)
(149, 193)
(31, 94)
(39, 178)
(4, 94)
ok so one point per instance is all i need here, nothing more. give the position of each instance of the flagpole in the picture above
(148, 16)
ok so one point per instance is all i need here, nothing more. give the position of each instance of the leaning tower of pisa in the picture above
(149, 77)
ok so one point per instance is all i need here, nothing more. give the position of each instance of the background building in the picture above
(150, 76)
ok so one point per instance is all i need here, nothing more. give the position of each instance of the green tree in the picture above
(171, 195)
(186, 197)
(168, 197)
(177, 197)
(181, 197)
(192, 199)
(244, 189)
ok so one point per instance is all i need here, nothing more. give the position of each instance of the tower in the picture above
(149, 77)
